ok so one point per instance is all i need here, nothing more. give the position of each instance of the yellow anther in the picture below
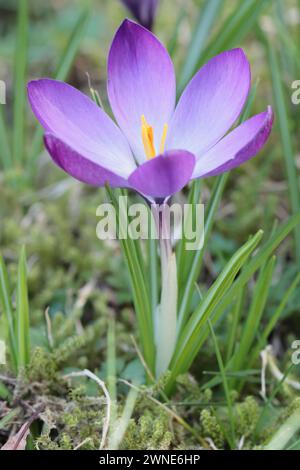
(163, 139)
(148, 138)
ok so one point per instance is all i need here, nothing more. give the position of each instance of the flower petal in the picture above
(211, 103)
(141, 80)
(81, 124)
(163, 175)
(144, 11)
(237, 147)
(79, 166)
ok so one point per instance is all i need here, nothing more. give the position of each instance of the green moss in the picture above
(247, 416)
(211, 428)
(148, 433)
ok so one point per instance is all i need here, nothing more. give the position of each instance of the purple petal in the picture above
(78, 122)
(211, 103)
(237, 147)
(141, 80)
(144, 11)
(163, 175)
(80, 167)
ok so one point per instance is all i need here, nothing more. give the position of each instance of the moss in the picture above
(247, 414)
(211, 428)
(148, 433)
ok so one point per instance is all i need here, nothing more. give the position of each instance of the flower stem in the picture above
(166, 311)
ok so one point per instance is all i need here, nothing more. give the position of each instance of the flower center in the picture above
(148, 138)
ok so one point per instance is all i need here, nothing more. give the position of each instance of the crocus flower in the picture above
(157, 148)
(143, 10)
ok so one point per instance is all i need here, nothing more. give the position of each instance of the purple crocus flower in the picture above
(143, 10)
(157, 148)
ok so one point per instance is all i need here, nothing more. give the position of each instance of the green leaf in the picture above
(234, 29)
(20, 82)
(232, 439)
(288, 152)
(204, 23)
(273, 320)
(285, 433)
(5, 151)
(188, 342)
(258, 260)
(185, 300)
(22, 320)
(6, 304)
(140, 286)
(250, 328)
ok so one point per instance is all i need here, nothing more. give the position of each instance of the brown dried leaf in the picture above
(18, 441)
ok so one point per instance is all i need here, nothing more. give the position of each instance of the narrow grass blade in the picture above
(22, 319)
(111, 360)
(259, 298)
(233, 323)
(186, 257)
(253, 265)
(204, 23)
(20, 81)
(235, 28)
(268, 404)
(121, 425)
(5, 152)
(139, 285)
(286, 141)
(4, 393)
(232, 440)
(188, 342)
(273, 320)
(285, 433)
(9, 417)
(185, 300)
(7, 308)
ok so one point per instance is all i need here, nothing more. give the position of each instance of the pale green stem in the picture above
(166, 312)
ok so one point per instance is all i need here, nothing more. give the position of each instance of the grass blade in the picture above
(254, 264)
(188, 342)
(204, 23)
(225, 386)
(22, 320)
(285, 433)
(6, 304)
(20, 81)
(254, 315)
(282, 116)
(139, 284)
(273, 320)
(197, 261)
(235, 28)
(234, 323)
(5, 152)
